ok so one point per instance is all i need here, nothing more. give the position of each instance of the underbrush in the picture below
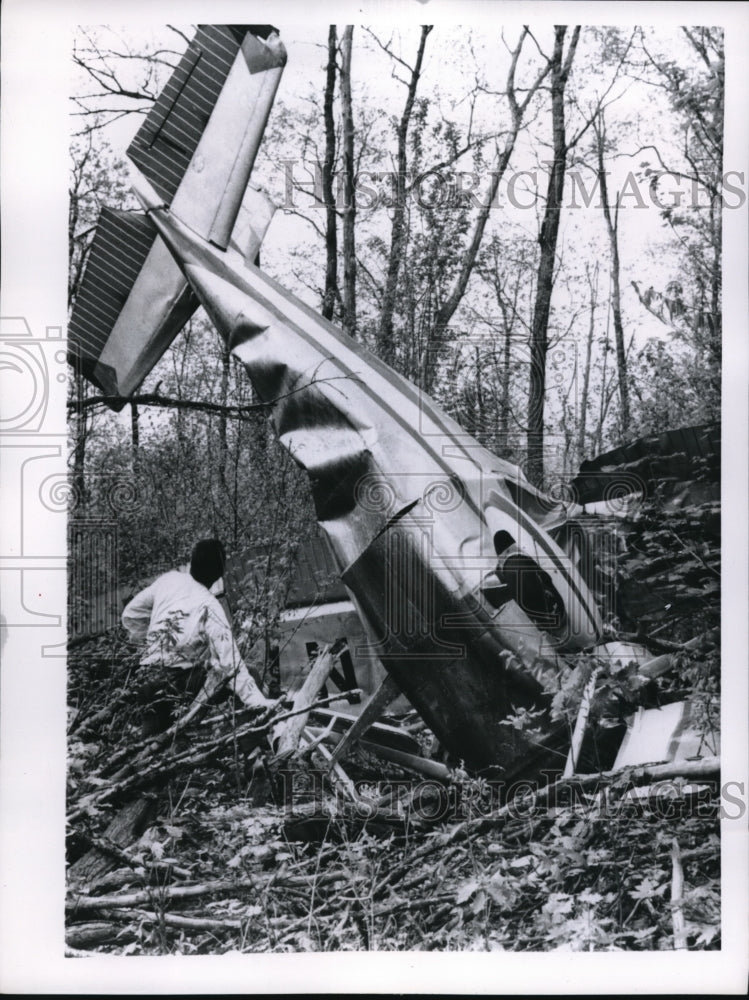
(229, 863)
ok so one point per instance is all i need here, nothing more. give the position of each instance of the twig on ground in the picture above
(677, 893)
(193, 756)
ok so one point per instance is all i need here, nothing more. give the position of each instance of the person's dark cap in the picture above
(207, 562)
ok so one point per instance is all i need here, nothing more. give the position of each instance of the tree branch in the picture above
(155, 399)
(518, 109)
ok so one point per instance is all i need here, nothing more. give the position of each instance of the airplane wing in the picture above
(196, 149)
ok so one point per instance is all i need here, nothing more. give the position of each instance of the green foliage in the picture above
(689, 301)
(671, 572)
(194, 474)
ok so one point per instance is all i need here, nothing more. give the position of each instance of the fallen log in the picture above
(430, 768)
(127, 826)
(143, 874)
(82, 726)
(95, 932)
(177, 920)
(706, 769)
(413, 904)
(660, 664)
(83, 902)
(677, 898)
(133, 817)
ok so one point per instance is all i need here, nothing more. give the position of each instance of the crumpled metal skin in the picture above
(466, 598)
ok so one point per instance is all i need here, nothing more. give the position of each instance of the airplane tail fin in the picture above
(196, 149)
(198, 144)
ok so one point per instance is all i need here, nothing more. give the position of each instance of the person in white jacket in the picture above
(190, 649)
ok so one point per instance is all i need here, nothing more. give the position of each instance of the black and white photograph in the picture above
(374, 468)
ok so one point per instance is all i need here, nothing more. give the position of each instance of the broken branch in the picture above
(677, 892)
(286, 737)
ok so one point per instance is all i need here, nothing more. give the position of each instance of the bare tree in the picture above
(398, 233)
(592, 277)
(561, 64)
(119, 80)
(691, 303)
(331, 294)
(518, 109)
(509, 274)
(612, 228)
(349, 194)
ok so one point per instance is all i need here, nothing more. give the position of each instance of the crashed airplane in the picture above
(446, 551)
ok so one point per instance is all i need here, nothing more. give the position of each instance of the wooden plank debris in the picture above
(286, 735)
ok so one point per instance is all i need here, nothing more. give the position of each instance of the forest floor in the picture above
(231, 856)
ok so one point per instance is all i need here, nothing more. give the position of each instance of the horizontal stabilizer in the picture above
(122, 242)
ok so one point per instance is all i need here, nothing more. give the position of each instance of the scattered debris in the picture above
(245, 848)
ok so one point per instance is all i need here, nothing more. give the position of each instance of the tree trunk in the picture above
(518, 109)
(612, 228)
(349, 194)
(608, 390)
(715, 323)
(586, 371)
(135, 437)
(481, 428)
(398, 236)
(504, 406)
(331, 293)
(548, 242)
(81, 436)
(509, 313)
(222, 419)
